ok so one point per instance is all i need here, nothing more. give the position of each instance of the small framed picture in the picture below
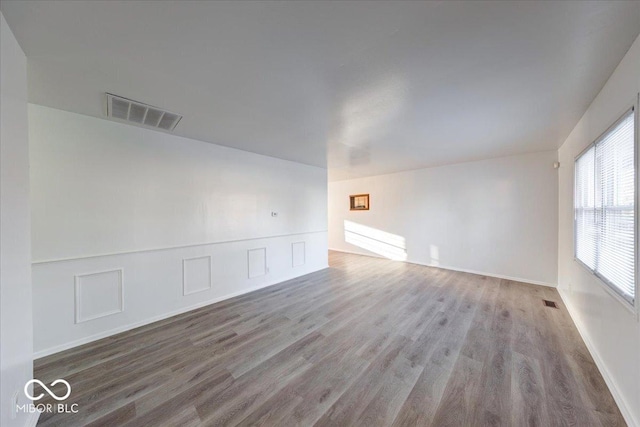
(359, 202)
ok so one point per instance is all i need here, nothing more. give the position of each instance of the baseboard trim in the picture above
(114, 331)
(462, 270)
(608, 379)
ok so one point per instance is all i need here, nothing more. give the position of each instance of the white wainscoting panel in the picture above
(156, 281)
(196, 274)
(297, 254)
(98, 294)
(257, 262)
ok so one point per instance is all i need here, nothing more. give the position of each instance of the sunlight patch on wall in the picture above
(380, 242)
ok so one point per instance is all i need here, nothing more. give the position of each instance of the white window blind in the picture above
(604, 207)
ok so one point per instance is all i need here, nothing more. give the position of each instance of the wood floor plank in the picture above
(366, 342)
(528, 405)
(420, 406)
(458, 403)
(354, 401)
(396, 385)
(493, 405)
(151, 409)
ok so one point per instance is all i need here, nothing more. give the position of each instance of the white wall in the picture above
(496, 217)
(108, 196)
(611, 332)
(16, 349)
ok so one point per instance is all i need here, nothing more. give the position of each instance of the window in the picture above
(604, 207)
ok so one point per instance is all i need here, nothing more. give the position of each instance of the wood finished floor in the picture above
(367, 342)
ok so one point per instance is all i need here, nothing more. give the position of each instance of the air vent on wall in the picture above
(137, 112)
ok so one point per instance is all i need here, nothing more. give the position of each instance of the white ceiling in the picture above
(362, 88)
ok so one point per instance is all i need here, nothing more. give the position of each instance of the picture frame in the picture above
(359, 202)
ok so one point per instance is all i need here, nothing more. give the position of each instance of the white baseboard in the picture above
(91, 338)
(613, 387)
(462, 270)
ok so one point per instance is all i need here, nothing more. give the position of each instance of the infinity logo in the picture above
(52, 394)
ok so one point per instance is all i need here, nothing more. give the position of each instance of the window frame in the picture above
(611, 288)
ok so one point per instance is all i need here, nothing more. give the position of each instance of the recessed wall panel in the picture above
(196, 275)
(298, 254)
(98, 295)
(257, 260)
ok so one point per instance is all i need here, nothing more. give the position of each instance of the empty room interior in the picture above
(319, 213)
